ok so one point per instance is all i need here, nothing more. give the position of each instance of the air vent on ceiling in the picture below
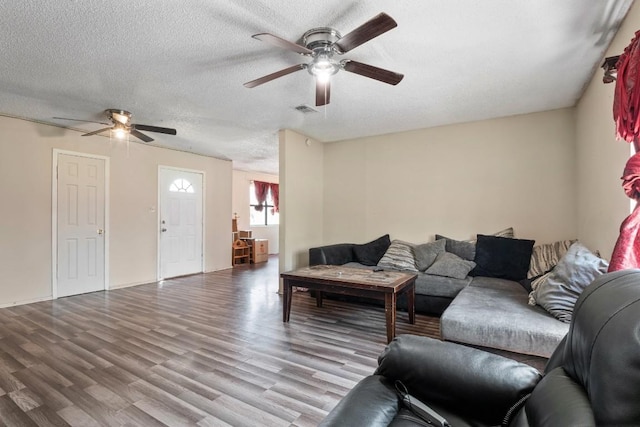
(306, 109)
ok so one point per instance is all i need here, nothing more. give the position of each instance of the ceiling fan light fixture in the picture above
(323, 67)
(119, 133)
(119, 130)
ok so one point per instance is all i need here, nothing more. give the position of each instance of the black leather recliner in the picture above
(593, 377)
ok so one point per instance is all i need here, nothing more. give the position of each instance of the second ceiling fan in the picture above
(322, 44)
(121, 126)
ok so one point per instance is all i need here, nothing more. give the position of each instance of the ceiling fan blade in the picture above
(282, 43)
(140, 135)
(377, 25)
(78, 120)
(95, 132)
(386, 76)
(323, 92)
(273, 76)
(168, 131)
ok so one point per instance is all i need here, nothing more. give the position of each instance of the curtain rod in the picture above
(251, 180)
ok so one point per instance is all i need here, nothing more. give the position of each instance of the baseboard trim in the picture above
(29, 301)
(128, 285)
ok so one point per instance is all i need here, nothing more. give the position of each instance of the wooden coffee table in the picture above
(381, 285)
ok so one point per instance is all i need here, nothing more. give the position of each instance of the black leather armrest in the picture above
(470, 381)
(372, 402)
(338, 254)
(557, 357)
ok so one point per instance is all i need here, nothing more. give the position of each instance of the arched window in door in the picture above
(181, 185)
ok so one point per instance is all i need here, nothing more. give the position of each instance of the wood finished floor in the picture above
(206, 350)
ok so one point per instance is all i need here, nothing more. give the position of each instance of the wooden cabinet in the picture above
(260, 250)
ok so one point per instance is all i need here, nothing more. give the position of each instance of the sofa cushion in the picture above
(450, 265)
(545, 257)
(494, 313)
(440, 286)
(426, 253)
(399, 256)
(574, 272)
(371, 253)
(502, 257)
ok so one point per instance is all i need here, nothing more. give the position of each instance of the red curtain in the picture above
(626, 113)
(626, 253)
(275, 194)
(626, 98)
(261, 193)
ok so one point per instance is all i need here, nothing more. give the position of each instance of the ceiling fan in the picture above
(322, 44)
(121, 126)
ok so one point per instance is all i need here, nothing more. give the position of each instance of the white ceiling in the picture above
(181, 64)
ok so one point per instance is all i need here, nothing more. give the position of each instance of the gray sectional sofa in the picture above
(495, 313)
(433, 293)
(481, 311)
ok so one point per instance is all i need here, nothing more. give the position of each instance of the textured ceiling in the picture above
(181, 64)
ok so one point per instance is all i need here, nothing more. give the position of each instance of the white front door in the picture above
(180, 222)
(80, 225)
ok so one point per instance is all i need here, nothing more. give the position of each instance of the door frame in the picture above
(159, 210)
(54, 215)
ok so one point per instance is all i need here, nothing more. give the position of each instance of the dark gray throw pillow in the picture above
(466, 249)
(462, 248)
(450, 265)
(502, 257)
(371, 253)
(426, 253)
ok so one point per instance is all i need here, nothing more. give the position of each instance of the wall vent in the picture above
(305, 109)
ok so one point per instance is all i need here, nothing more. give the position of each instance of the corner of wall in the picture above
(301, 197)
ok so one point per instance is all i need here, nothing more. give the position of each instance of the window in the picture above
(181, 186)
(265, 214)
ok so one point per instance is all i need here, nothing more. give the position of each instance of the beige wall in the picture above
(240, 205)
(602, 204)
(301, 198)
(26, 153)
(455, 180)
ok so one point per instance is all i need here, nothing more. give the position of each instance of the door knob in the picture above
(100, 231)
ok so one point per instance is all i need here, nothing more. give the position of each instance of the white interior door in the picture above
(80, 225)
(180, 222)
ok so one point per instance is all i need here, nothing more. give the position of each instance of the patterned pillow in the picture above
(507, 232)
(545, 257)
(399, 256)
